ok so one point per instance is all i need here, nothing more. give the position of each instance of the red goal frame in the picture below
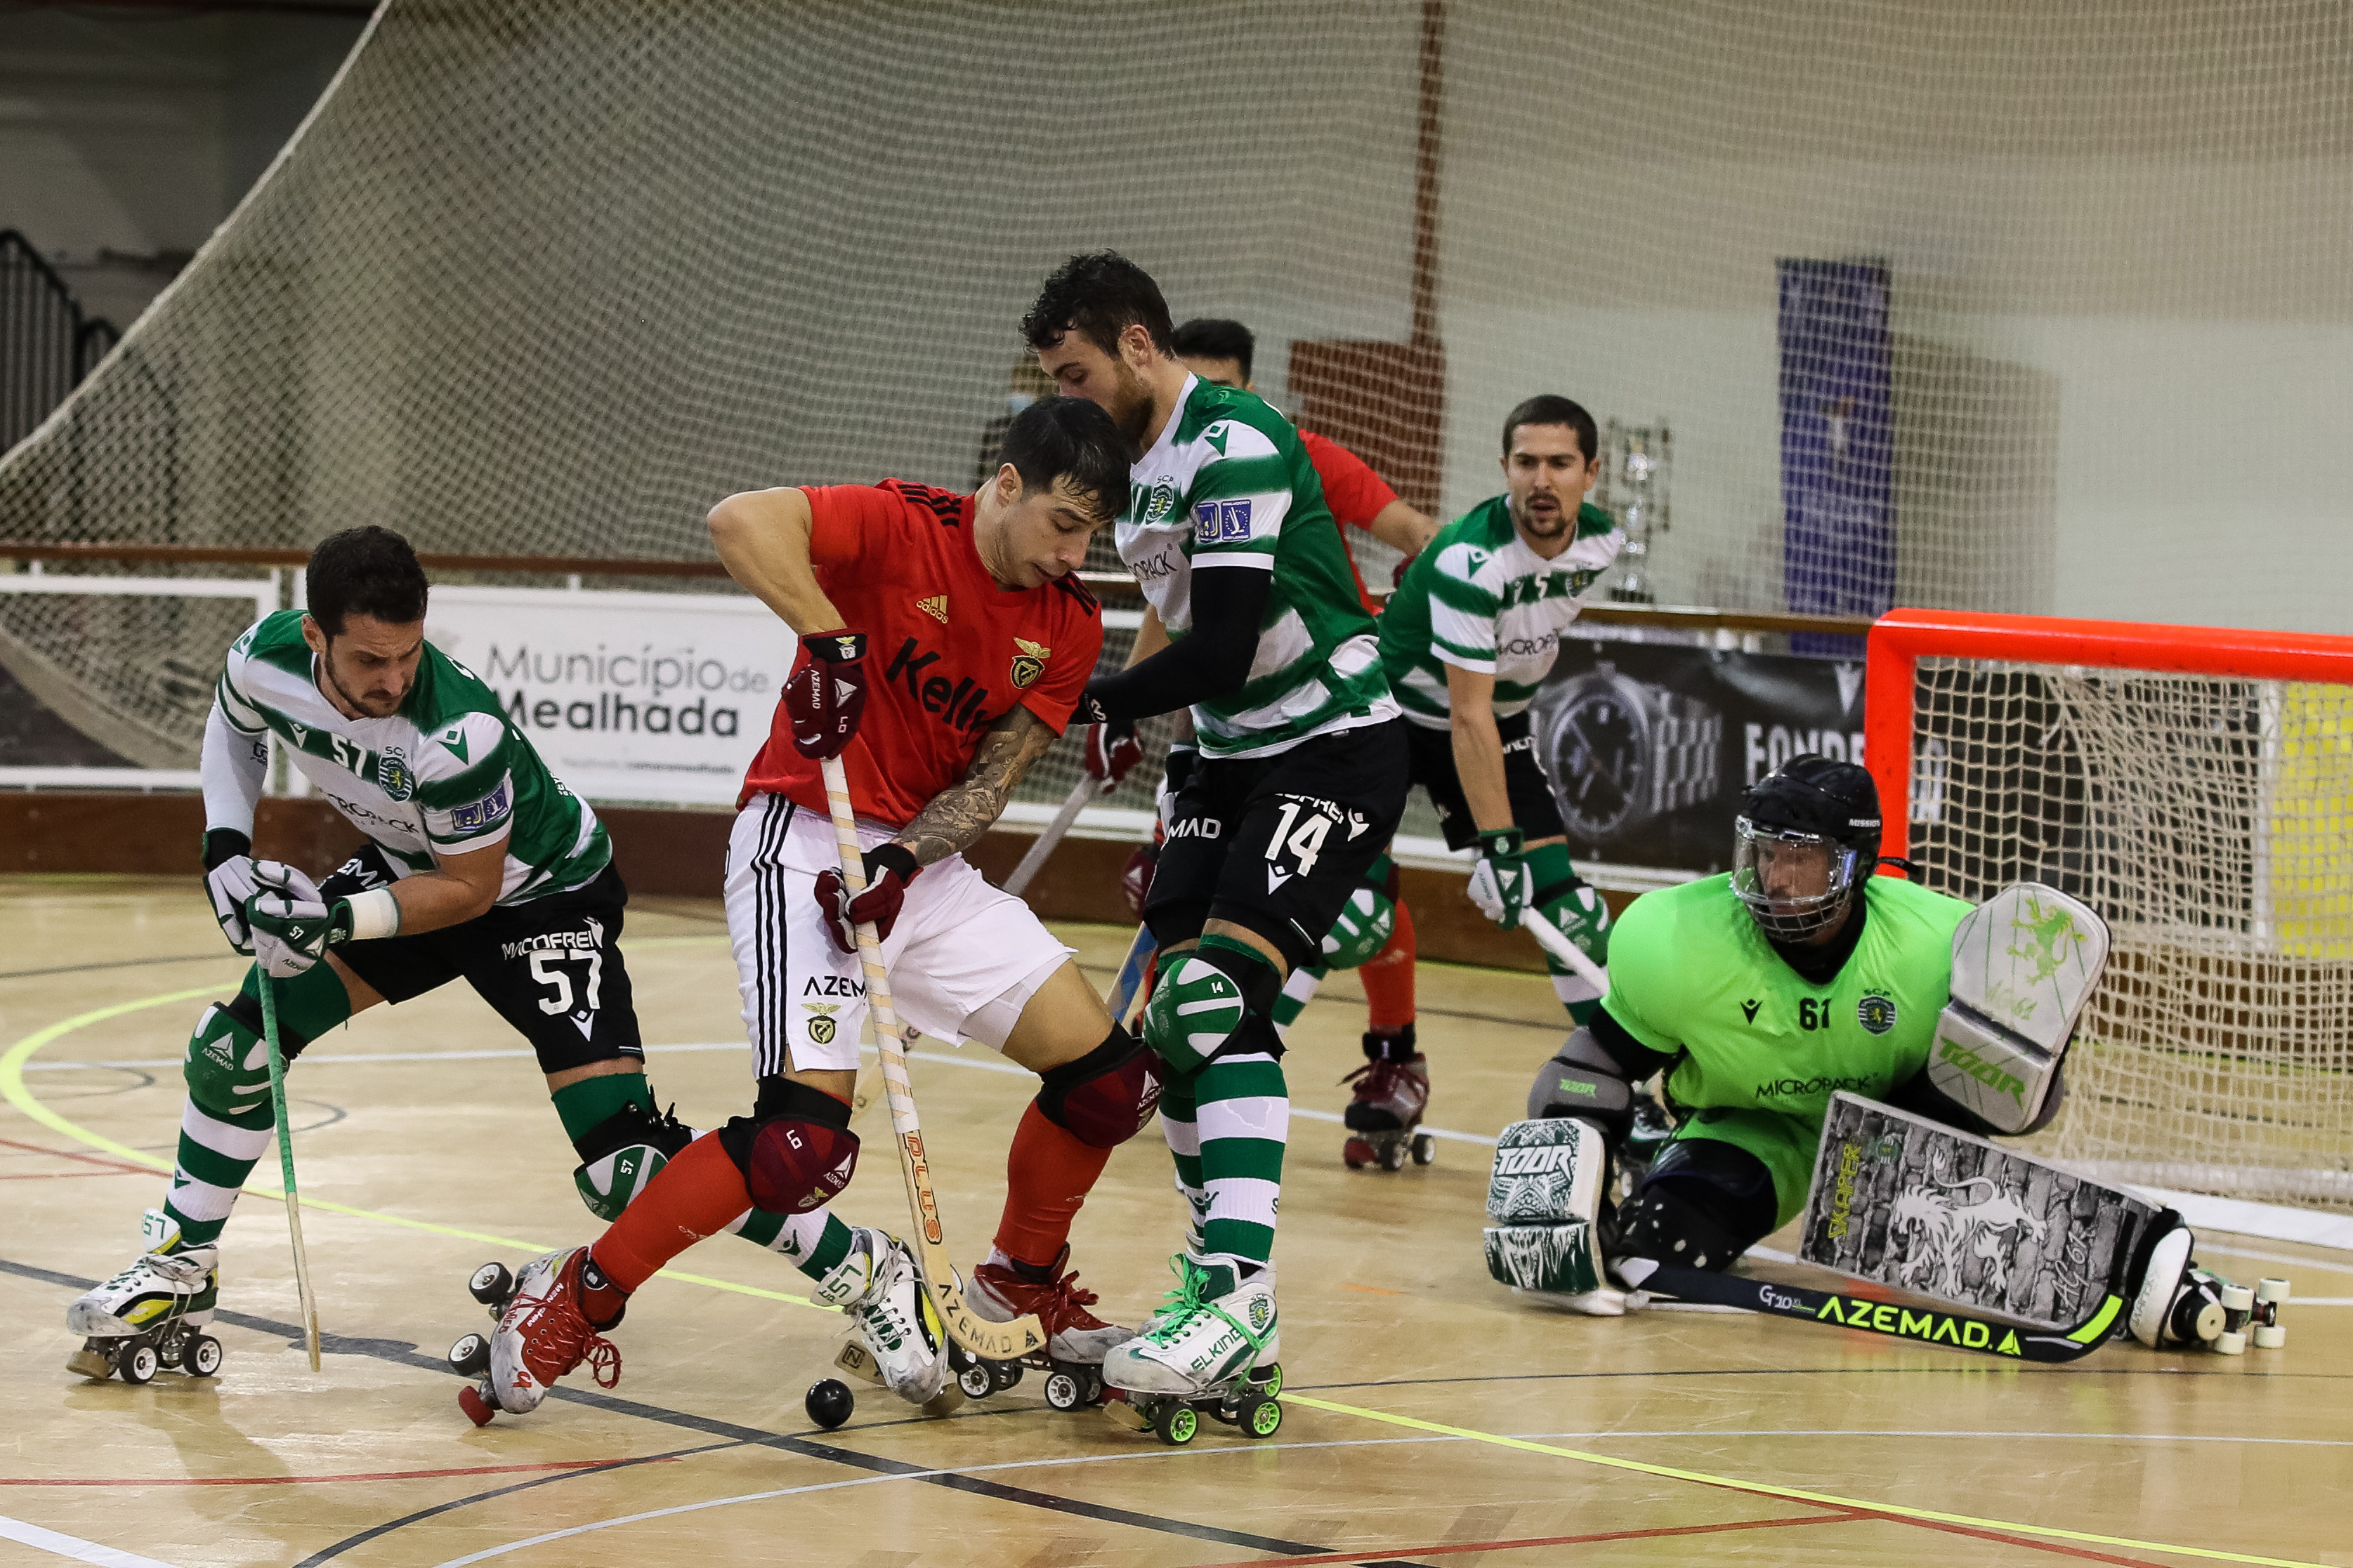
(1899, 639)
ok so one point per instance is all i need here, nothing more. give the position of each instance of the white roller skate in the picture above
(146, 1317)
(543, 1334)
(1209, 1350)
(881, 1288)
(1077, 1340)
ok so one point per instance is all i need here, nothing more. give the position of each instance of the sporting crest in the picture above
(393, 773)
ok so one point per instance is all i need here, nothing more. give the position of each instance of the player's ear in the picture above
(1137, 347)
(1008, 485)
(314, 636)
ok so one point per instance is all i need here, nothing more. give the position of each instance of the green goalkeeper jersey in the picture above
(1478, 598)
(445, 772)
(1760, 1048)
(1228, 486)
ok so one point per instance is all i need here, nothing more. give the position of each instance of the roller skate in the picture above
(1076, 1340)
(146, 1317)
(897, 1341)
(541, 1332)
(1384, 1120)
(1209, 1350)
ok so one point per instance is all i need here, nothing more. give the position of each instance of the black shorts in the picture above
(1535, 812)
(552, 967)
(1276, 845)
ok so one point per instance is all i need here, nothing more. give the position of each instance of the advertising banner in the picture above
(1837, 439)
(1650, 744)
(628, 697)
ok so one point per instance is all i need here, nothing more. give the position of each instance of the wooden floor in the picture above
(1433, 1418)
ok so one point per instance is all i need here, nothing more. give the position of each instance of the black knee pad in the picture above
(796, 1150)
(631, 1125)
(246, 1008)
(1703, 1203)
(1107, 1096)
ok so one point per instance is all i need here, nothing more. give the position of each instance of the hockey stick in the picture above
(1082, 794)
(1130, 978)
(1929, 1325)
(996, 1342)
(1548, 937)
(286, 1164)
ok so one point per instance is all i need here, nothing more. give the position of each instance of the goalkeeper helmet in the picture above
(1807, 835)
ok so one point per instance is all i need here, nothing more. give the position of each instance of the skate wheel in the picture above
(1393, 1156)
(1425, 1149)
(1004, 1374)
(203, 1356)
(139, 1364)
(1266, 1381)
(2270, 1336)
(1358, 1153)
(491, 1285)
(1261, 1418)
(976, 1381)
(1065, 1391)
(2230, 1341)
(470, 1355)
(1178, 1424)
(1096, 1391)
(478, 1409)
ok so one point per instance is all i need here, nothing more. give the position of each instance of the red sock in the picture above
(1388, 979)
(1048, 1175)
(698, 1194)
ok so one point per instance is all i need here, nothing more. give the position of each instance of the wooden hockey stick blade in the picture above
(1082, 794)
(997, 1342)
(1929, 1325)
(1130, 978)
(1548, 937)
(286, 1168)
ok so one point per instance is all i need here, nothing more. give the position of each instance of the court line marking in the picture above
(72, 1546)
(1450, 1549)
(1793, 1494)
(569, 1465)
(13, 1089)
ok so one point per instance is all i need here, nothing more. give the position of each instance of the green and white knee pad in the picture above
(1544, 1193)
(1204, 999)
(622, 1154)
(1365, 924)
(227, 1067)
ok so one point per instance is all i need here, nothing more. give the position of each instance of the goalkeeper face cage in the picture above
(1795, 884)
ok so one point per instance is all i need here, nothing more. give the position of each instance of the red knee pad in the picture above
(1107, 1096)
(800, 1165)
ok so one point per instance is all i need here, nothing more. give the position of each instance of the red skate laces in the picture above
(556, 1339)
(1380, 1079)
(1059, 1304)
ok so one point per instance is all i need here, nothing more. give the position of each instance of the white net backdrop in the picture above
(2211, 822)
(546, 277)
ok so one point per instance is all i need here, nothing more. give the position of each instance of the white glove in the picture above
(229, 883)
(288, 919)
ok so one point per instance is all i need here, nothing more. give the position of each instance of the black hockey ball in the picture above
(828, 1402)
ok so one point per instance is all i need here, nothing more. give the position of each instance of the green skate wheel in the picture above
(1178, 1424)
(976, 1382)
(139, 1364)
(203, 1356)
(1266, 1381)
(1261, 1418)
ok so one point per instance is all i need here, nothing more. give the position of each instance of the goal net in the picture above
(550, 276)
(2196, 788)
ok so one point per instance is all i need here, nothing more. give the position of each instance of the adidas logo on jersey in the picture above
(936, 607)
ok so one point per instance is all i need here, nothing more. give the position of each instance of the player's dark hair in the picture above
(1547, 408)
(1069, 437)
(367, 570)
(1098, 296)
(1213, 337)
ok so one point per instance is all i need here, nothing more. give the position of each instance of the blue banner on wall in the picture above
(1838, 444)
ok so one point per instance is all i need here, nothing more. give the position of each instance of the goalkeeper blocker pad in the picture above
(2024, 963)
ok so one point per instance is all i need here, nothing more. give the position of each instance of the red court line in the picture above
(1377, 1553)
(2032, 1542)
(366, 1475)
(110, 1167)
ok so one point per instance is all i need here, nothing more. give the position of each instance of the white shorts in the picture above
(964, 957)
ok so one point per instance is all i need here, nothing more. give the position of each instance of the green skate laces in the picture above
(1182, 1306)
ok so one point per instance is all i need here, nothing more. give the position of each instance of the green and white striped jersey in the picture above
(1479, 599)
(1228, 485)
(447, 772)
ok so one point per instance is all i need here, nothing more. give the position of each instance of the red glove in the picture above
(889, 868)
(1135, 879)
(827, 692)
(1112, 749)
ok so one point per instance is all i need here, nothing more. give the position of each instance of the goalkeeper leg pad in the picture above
(1544, 1192)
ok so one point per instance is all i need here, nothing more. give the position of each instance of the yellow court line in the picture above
(13, 1089)
(1792, 1494)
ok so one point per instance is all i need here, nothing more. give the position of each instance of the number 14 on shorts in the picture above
(1300, 830)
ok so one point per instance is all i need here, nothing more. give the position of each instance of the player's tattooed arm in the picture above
(954, 818)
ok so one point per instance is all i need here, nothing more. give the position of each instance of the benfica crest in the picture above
(1029, 663)
(821, 1024)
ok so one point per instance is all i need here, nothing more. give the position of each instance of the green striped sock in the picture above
(1243, 1112)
